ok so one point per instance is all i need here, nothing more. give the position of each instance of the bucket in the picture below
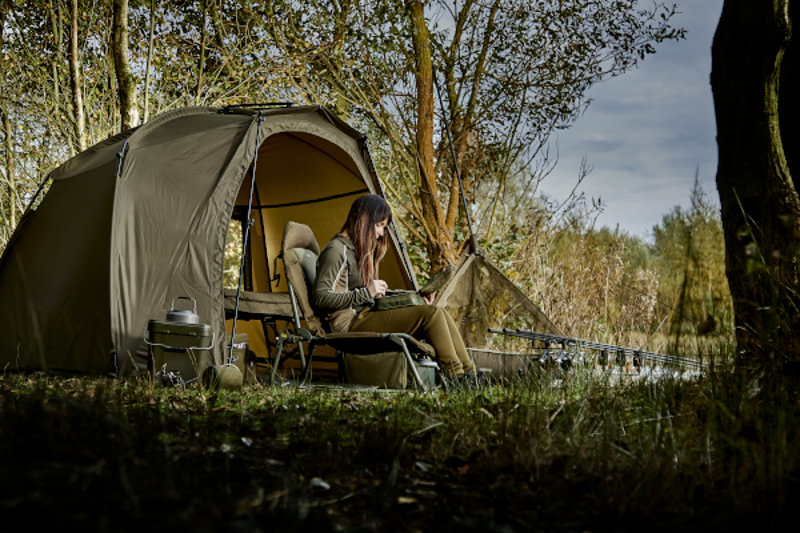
(238, 368)
(243, 358)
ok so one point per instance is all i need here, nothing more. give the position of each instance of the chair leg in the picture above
(278, 351)
(413, 367)
(283, 338)
(268, 323)
(307, 366)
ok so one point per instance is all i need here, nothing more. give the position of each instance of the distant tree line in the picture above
(666, 292)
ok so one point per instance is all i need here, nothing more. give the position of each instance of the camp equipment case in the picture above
(179, 353)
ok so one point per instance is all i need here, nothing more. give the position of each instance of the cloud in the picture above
(647, 131)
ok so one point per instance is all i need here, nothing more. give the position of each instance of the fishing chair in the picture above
(299, 251)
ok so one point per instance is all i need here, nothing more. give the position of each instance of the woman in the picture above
(348, 283)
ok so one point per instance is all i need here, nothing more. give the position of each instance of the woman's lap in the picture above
(401, 320)
(434, 323)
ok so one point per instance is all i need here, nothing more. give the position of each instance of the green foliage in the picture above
(233, 255)
(689, 253)
(512, 72)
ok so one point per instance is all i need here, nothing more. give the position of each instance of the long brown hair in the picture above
(365, 213)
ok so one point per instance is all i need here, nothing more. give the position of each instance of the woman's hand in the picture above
(429, 298)
(377, 288)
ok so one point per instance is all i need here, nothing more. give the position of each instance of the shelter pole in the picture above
(39, 190)
(246, 237)
(259, 206)
(473, 241)
(120, 157)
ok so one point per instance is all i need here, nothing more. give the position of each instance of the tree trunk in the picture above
(129, 109)
(440, 248)
(219, 39)
(55, 20)
(12, 187)
(150, 44)
(789, 108)
(466, 122)
(4, 5)
(198, 94)
(76, 80)
(5, 230)
(760, 206)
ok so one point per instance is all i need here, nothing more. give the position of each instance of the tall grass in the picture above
(665, 294)
(583, 449)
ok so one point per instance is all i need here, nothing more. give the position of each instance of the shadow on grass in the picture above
(567, 455)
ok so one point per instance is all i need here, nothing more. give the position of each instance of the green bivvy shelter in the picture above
(142, 217)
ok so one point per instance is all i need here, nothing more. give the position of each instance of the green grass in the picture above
(541, 454)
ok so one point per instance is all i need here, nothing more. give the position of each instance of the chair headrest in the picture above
(308, 261)
(296, 235)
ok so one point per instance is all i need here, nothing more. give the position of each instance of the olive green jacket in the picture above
(339, 293)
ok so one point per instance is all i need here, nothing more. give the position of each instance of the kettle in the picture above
(183, 316)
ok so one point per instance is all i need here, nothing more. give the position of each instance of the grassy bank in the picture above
(545, 454)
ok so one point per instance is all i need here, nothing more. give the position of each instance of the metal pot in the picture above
(183, 316)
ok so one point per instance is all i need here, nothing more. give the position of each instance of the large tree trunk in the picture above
(789, 107)
(760, 206)
(129, 109)
(440, 248)
(76, 80)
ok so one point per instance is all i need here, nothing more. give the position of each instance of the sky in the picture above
(647, 132)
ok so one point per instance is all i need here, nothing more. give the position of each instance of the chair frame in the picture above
(296, 334)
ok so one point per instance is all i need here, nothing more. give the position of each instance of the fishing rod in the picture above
(621, 351)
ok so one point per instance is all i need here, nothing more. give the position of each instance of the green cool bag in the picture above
(395, 299)
(384, 370)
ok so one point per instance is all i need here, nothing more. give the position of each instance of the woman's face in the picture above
(380, 227)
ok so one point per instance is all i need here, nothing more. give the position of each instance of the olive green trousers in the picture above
(433, 323)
